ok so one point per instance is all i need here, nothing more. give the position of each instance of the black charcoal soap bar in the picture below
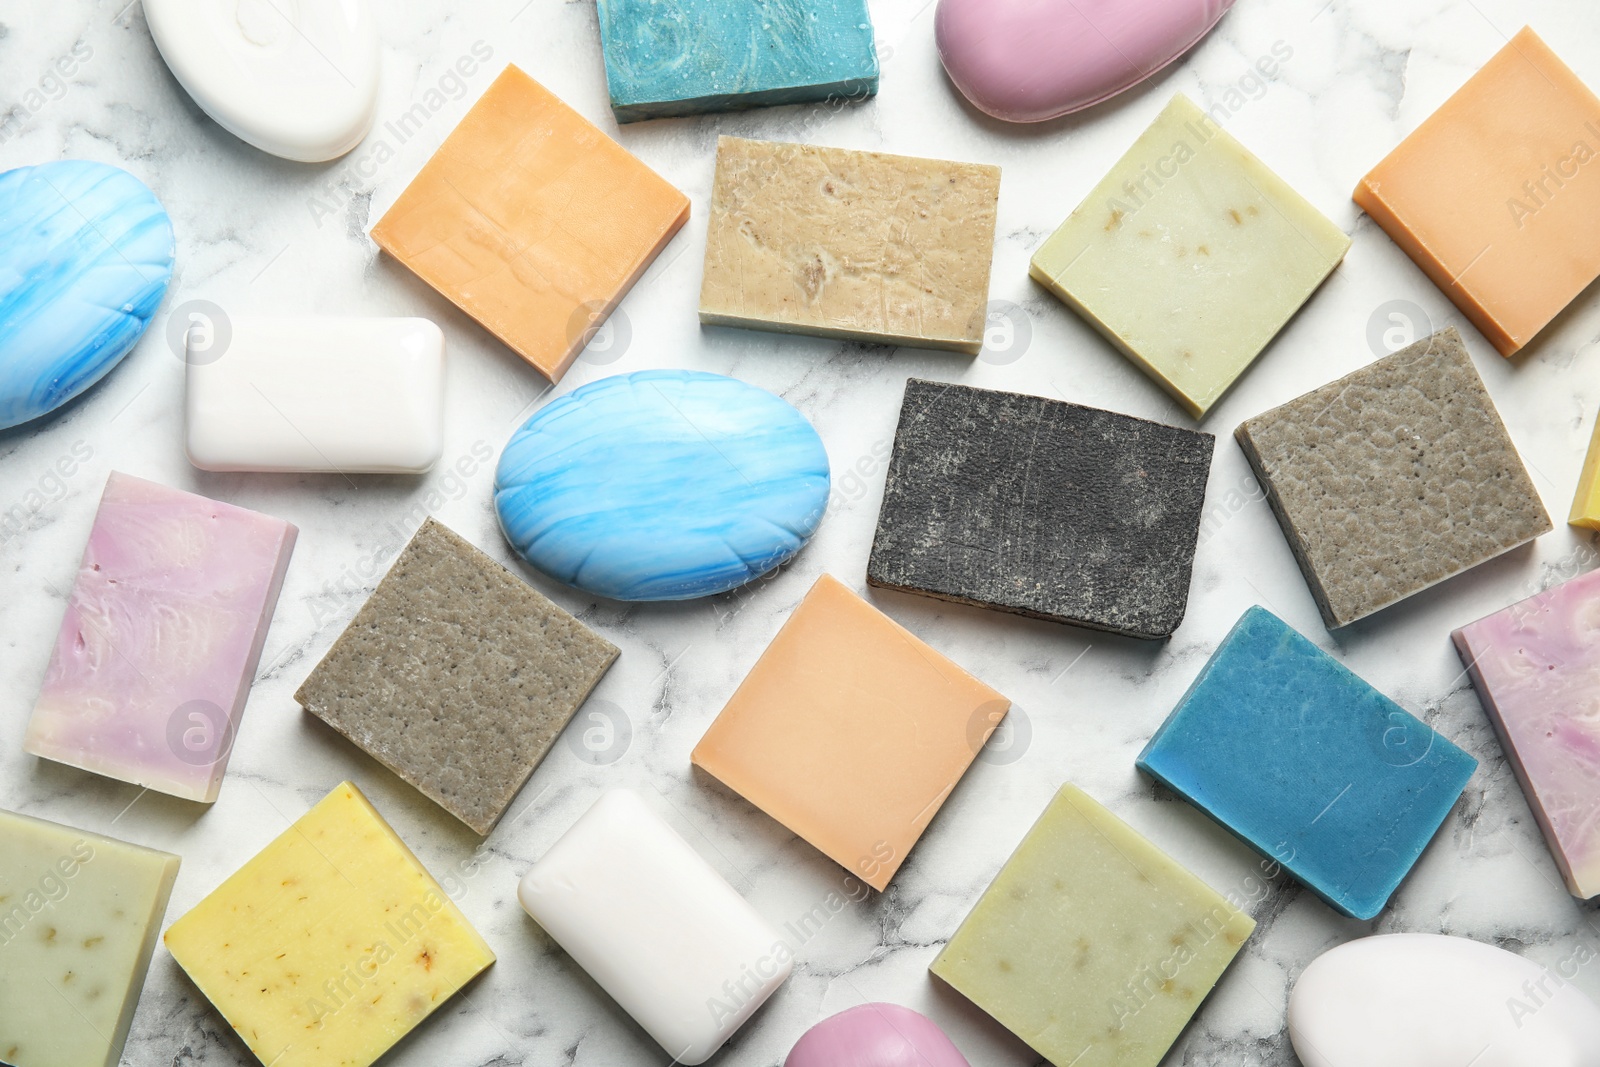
(1042, 508)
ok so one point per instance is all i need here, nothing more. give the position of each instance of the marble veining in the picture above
(259, 236)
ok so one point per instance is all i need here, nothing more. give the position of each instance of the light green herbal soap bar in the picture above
(78, 920)
(1092, 945)
(1190, 255)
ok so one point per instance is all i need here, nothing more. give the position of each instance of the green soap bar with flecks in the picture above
(1092, 945)
(1190, 255)
(79, 915)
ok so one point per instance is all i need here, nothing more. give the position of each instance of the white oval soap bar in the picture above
(1423, 1000)
(296, 78)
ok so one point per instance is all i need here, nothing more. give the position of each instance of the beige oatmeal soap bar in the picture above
(856, 245)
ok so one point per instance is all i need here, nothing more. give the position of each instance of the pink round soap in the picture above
(876, 1035)
(1031, 60)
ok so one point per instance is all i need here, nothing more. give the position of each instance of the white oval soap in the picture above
(296, 78)
(1424, 1000)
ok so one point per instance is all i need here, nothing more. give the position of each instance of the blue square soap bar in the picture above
(1308, 764)
(686, 57)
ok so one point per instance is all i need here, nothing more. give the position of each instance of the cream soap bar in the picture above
(79, 914)
(856, 245)
(1092, 945)
(532, 221)
(1190, 256)
(1536, 666)
(656, 926)
(330, 945)
(161, 638)
(333, 395)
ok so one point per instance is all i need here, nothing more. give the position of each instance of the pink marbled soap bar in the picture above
(1537, 669)
(161, 638)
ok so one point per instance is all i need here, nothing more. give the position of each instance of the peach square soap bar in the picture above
(850, 731)
(331, 944)
(1190, 256)
(1492, 195)
(532, 221)
(1092, 945)
(858, 245)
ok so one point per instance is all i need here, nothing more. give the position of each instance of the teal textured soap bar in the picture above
(686, 57)
(1309, 765)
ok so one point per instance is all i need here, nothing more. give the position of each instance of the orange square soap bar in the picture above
(850, 731)
(532, 221)
(1497, 195)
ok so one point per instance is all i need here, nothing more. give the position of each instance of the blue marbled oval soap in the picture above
(85, 257)
(662, 485)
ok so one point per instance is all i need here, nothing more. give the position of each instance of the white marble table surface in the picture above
(259, 235)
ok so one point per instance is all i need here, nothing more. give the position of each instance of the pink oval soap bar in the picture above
(876, 1035)
(1031, 60)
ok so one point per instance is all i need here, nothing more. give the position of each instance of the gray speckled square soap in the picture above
(457, 676)
(1393, 478)
(1041, 508)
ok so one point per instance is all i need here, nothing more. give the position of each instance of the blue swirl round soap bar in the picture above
(662, 485)
(85, 257)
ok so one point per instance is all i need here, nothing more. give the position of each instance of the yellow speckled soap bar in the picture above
(1092, 945)
(78, 920)
(1190, 255)
(331, 944)
(857, 245)
(1586, 504)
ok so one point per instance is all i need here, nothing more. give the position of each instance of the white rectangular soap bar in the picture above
(656, 926)
(344, 395)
